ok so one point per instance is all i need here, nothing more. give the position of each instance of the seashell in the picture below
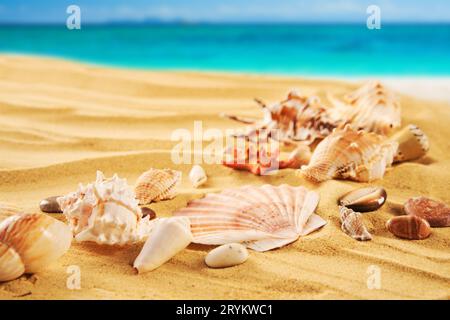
(227, 255)
(197, 176)
(169, 236)
(409, 227)
(351, 224)
(372, 108)
(30, 242)
(148, 212)
(364, 199)
(412, 143)
(50, 205)
(437, 214)
(262, 218)
(350, 154)
(106, 212)
(156, 185)
(8, 209)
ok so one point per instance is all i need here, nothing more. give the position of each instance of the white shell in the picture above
(226, 255)
(105, 212)
(30, 242)
(263, 218)
(197, 176)
(169, 236)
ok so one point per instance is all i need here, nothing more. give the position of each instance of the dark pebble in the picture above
(148, 212)
(49, 205)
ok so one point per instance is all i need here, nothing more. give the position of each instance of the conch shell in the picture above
(351, 224)
(105, 212)
(169, 236)
(197, 175)
(30, 242)
(412, 143)
(350, 154)
(372, 107)
(156, 185)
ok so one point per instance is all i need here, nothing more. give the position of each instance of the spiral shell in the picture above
(30, 242)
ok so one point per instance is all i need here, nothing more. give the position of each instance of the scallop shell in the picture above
(371, 107)
(156, 185)
(350, 154)
(197, 176)
(412, 143)
(30, 242)
(105, 212)
(263, 218)
(169, 236)
(351, 224)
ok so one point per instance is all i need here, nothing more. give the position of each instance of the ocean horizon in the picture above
(307, 49)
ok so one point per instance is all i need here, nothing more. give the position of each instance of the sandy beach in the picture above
(61, 121)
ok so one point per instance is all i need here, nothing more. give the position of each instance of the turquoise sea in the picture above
(326, 49)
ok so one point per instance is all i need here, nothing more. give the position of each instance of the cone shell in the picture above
(412, 143)
(156, 185)
(29, 243)
(197, 176)
(350, 154)
(169, 236)
(106, 212)
(351, 224)
(262, 218)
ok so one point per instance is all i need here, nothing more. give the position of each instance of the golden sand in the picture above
(61, 121)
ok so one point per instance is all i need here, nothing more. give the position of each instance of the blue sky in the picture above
(54, 11)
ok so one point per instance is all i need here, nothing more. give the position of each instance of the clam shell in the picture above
(351, 224)
(197, 176)
(412, 143)
(226, 255)
(156, 185)
(350, 154)
(30, 242)
(169, 236)
(436, 213)
(364, 199)
(409, 227)
(106, 212)
(262, 218)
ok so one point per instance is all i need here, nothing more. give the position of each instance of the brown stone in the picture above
(49, 205)
(436, 213)
(148, 212)
(409, 227)
(364, 199)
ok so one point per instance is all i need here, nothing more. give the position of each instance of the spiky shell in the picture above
(105, 212)
(156, 185)
(372, 107)
(350, 154)
(263, 218)
(30, 242)
(412, 143)
(351, 224)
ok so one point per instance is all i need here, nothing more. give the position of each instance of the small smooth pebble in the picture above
(409, 227)
(49, 205)
(148, 212)
(364, 199)
(436, 213)
(226, 255)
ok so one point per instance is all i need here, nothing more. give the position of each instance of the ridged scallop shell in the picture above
(412, 143)
(262, 218)
(350, 154)
(156, 185)
(351, 224)
(105, 212)
(30, 242)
